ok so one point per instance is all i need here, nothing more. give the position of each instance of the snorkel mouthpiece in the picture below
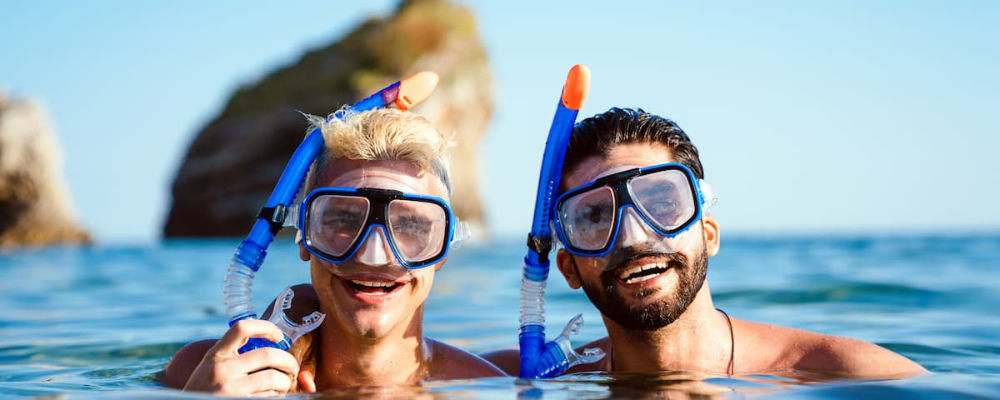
(540, 359)
(250, 254)
(291, 330)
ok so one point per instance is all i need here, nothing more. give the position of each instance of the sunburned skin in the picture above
(699, 338)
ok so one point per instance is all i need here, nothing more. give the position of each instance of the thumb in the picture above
(242, 331)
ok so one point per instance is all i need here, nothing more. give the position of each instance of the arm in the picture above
(450, 362)
(855, 358)
(183, 363)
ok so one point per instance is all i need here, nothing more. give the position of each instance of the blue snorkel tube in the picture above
(250, 253)
(540, 359)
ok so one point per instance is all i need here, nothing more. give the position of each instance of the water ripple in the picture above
(101, 322)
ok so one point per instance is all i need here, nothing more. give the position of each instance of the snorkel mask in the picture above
(251, 252)
(378, 226)
(630, 207)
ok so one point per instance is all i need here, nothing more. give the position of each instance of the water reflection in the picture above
(376, 392)
(665, 385)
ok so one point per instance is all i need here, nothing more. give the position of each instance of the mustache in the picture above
(622, 257)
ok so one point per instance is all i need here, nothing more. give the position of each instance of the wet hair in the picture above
(382, 135)
(595, 136)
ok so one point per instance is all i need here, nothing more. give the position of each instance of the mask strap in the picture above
(292, 221)
(708, 194)
(292, 217)
(462, 233)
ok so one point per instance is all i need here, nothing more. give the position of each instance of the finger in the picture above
(307, 381)
(267, 357)
(267, 380)
(242, 330)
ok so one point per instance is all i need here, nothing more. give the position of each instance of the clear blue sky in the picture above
(810, 116)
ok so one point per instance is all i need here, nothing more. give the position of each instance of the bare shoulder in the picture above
(183, 363)
(507, 359)
(772, 347)
(450, 362)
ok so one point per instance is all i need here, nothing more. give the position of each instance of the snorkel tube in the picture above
(250, 254)
(540, 359)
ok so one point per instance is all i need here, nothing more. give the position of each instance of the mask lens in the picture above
(335, 222)
(666, 198)
(418, 229)
(587, 218)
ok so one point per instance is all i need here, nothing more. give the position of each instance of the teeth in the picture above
(374, 284)
(624, 276)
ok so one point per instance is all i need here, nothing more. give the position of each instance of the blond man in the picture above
(375, 227)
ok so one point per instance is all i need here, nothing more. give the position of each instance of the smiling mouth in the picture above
(643, 272)
(373, 287)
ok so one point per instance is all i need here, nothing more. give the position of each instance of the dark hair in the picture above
(598, 134)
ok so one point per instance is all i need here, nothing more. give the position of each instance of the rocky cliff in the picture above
(234, 162)
(34, 202)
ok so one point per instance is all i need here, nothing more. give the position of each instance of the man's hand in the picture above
(261, 372)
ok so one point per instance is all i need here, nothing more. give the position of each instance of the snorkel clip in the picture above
(540, 245)
(275, 216)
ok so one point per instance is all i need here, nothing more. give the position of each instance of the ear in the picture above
(565, 262)
(303, 253)
(711, 228)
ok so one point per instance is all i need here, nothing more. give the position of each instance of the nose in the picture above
(633, 230)
(375, 250)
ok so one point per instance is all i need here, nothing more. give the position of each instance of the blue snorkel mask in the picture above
(251, 252)
(628, 207)
(417, 230)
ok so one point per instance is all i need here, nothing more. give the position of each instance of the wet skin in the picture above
(638, 289)
(373, 332)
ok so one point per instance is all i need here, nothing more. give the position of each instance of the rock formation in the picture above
(34, 204)
(234, 162)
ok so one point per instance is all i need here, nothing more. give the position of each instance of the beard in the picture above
(653, 316)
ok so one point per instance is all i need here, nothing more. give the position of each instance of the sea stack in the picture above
(35, 207)
(235, 160)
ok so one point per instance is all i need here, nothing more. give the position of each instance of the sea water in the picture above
(102, 321)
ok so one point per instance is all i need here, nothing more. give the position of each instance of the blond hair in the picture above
(382, 135)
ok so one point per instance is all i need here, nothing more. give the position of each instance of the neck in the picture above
(347, 359)
(698, 340)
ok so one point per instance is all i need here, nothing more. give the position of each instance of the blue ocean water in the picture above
(100, 322)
